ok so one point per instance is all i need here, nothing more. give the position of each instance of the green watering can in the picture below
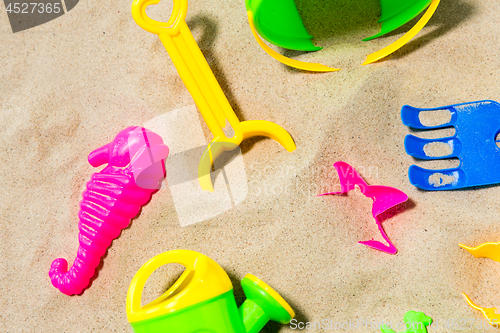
(202, 300)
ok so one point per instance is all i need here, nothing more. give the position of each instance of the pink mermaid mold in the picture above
(135, 170)
(384, 198)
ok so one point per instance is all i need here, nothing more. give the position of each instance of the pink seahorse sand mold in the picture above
(135, 169)
(383, 197)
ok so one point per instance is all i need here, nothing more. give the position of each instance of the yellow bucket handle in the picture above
(405, 38)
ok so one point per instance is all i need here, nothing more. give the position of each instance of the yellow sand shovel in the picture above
(204, 88)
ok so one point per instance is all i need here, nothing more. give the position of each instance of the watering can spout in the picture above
(262, 304)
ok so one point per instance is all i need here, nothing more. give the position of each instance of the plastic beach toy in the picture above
(135, 169)
(279, 22)
(202, 84)
(396, 13)
(202, 300)
(491, 251)
(383, 197)
(415, 322)
(477, 125)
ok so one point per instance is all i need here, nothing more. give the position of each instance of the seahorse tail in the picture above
(57, 274)
(98, 227)
(95, 236)
(77, 278)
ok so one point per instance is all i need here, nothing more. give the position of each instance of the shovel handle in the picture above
(190, 64)
(203, 86)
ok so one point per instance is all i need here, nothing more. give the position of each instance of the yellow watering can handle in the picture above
(135, 310)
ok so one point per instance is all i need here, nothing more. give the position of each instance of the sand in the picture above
(70, 85)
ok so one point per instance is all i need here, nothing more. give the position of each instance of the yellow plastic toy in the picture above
(202, 300)
(491, 251)
(405, 38)
(306, 66)
(204, 88)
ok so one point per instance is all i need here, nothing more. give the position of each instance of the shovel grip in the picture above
(170, 27)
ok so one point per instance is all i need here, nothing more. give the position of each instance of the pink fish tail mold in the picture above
(135, 170)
